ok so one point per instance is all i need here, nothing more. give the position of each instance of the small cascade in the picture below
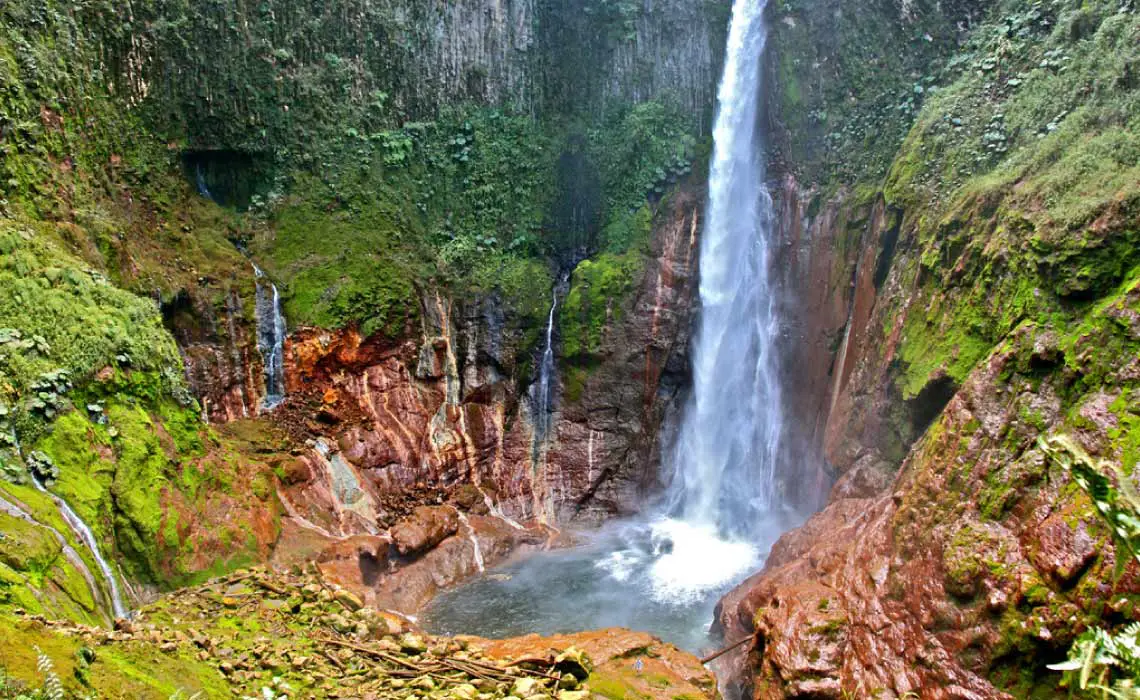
(88, 538)
(542, 395)
(270, 339)
(20, 512)
(474, 539)
(200, 180)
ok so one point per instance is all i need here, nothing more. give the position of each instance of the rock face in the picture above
(982, 564)
(219, 349)
(962, 571)
(418, 462)
(416, 57)
(449, 413)
(949, 311)
(966, 568)
(424, 529)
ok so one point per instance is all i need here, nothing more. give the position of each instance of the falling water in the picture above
(200, 180)
(477, 550)
(542, 396)
(88, 538)
(270, 340)
(725, 460)
(722, 510)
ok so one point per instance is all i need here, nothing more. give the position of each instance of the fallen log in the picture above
(716, 655)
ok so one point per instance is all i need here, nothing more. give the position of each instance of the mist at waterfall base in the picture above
(662, 576)
(722, 509)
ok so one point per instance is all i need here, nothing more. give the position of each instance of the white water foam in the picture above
(699, 560)
(682, 562)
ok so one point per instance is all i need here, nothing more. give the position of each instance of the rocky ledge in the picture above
(259, 633)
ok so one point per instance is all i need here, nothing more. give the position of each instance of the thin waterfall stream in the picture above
(270, 339)
(545, 372)
(83, 532)
(721, 509)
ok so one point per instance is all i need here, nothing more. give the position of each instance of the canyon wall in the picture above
(399, 170)
(971, 319)
(451, 408)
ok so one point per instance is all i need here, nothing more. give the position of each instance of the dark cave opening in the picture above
(229, 177)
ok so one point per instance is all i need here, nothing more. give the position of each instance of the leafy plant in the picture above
(1100, 660)
(53, 687)
(1106, 662)
(1118, 503)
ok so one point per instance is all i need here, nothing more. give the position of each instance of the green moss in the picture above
(75, 321)
(37, 576)
(598, 289)
(132, 670)
(609, 687)
(935, 344)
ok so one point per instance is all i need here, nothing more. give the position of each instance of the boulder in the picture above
(354, 562)
(426, 527)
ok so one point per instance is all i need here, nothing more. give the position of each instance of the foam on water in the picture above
(697, 560)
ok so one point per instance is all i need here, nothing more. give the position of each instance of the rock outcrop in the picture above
(982, 564)
(449, 413)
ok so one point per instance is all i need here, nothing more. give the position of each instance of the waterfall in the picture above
(200, 180)
(722, 509)
(270, 339)
(722, 495)
(725, 459)
(542, 397)
(88, 538)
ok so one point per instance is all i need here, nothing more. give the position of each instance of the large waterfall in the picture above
(721, 497)
(664, 573)
(724, 465)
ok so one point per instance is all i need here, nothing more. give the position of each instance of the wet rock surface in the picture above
(424, 529)
(979, 564)
(383, 426)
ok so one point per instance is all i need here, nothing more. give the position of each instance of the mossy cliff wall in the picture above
(412, 175)
(968, 284)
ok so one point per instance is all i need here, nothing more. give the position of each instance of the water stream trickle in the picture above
(83, 532)
(200, 181)
(270, 339)
(474, 539)
(542, 398)
(722, 509)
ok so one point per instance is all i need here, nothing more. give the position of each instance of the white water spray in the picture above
(725, 464)
(270, 339)
(723, 489)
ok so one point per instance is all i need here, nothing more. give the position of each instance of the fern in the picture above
(1100, 660)
(53, 687)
